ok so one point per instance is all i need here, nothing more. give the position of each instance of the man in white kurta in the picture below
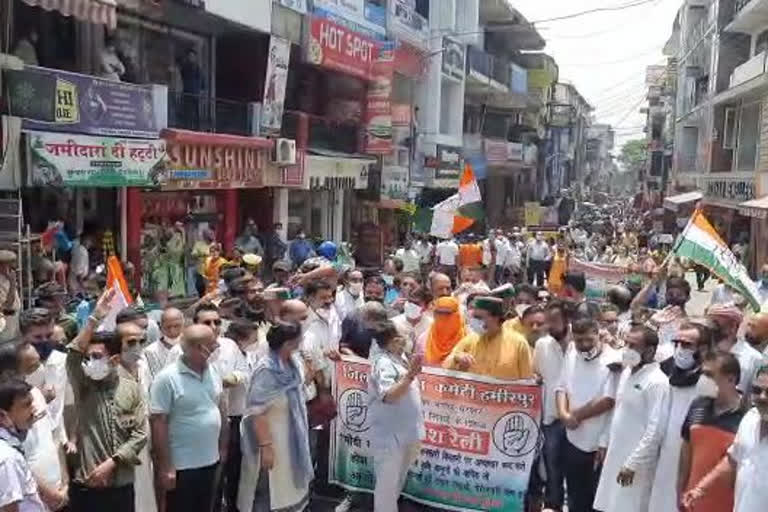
(636, 429)
(691, 344)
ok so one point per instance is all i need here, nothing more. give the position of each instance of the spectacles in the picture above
(210, 323)
(136, 341)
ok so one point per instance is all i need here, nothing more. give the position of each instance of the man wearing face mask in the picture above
(189, 424)
(414, 323)
(350, 298)
(762, 284)
(667, 320)
(111, 419)
(693, 342)
(489, 349)
(17, 414)
(746, 462)
(727, 319)
(636, 430)
(37, 327)
(585, 396)
(709, 428)
(157, 353)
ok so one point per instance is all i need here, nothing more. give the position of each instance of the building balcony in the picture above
(753, 68)
(749, 80)
(507, 28)
(497, 82)
(749, 16)
(202, 113)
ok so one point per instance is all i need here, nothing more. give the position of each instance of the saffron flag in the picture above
(122, 298)
(456, 213)
(701, 244)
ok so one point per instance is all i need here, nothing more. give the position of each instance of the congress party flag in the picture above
(456, 213)
(122, 297)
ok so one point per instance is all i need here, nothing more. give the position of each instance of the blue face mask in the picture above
(44, 349)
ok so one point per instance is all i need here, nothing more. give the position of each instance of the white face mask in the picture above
(96, 369)
(631, 358)
(355, 288)
(388, 279)
(707, 387)
(685, 358)
(477, 325)
(412, 311)
(37, 377)
(132, 355)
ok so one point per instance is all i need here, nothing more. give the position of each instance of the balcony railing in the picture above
(202, 113)
(489, 66)
(753, 68)
(324, 133)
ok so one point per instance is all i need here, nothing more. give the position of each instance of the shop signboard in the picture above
(274, 89)
(60, 101)
(69, 160)
(394, 182)
(331, 173)
(453, 59)
(378, 110)
(495, 151)
(214, 166)
(406, 23)
(410, 61)
(401, 114)
(447, 163)
(514, 151)
(478, 446)
(336, 47)
(359, 15)
(299, 6)
(729, 189)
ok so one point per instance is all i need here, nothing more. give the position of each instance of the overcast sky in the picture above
(605, 54)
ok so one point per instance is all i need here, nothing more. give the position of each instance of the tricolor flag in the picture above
(456, 213)
(122, 298)
(701, 244)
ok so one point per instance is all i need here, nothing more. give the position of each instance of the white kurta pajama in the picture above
(664, 492)
(750, 454)
(635, 437)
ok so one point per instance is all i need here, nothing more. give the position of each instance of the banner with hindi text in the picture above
(477, 454)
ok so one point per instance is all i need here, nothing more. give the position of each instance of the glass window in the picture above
(749, 133)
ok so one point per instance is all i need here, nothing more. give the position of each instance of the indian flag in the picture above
(456, 213)
(701, 244)
(122, 298)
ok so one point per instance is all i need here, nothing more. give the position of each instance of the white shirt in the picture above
(411, 332)
(538, 250)
(79, 263)
(40, 446)
(750, 359)
(157, 356)
(320, 335)
(346, 303)
(56, 376)
(636, 430)
(446, 252)
(410, 258)
(18, 483)
(424, 249)
(228, 361)
(584, 381)
(750, 453)
(548, 361)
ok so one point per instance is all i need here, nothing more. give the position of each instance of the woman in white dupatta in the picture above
(277, 467)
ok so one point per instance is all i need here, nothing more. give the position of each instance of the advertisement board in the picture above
(336, 47)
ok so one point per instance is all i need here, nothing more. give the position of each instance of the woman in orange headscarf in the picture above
(445, 333)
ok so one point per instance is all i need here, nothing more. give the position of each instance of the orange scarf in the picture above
(445, 331)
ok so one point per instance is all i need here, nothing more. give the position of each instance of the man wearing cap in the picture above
(489, 349)
(281, 272)
(9, 297)
(251, 263)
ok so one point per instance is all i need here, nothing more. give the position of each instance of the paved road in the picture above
(699, 300)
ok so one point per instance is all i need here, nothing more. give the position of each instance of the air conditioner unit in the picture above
(285, 152)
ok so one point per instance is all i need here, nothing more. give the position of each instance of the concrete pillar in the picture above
(230, 219)
(133, 230)
(280, 210)
(338, 216)
(325, 207)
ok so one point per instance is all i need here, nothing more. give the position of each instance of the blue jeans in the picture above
(554, 460)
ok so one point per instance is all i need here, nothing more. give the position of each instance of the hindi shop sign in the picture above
(61, 159)
(479, 445)
(55, 100)
(732, 190)
(214, 166)
(336, 47)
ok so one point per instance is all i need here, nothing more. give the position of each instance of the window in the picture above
(749, 133)
(761, 44)
(729, 128)
(422, 7)
(690, 141)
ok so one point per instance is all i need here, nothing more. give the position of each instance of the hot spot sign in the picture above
(336, 47)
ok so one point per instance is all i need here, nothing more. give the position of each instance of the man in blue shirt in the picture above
(189, 428)
(301, 249)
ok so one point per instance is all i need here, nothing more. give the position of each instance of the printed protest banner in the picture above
(378, 110)
(65, 159)
(599, 276)
(277, 76)
(480, 442)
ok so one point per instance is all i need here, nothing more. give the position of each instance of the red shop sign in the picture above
(336, 47)
(409, 60)
(214, 166)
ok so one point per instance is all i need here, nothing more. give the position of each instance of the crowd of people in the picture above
(224, 402)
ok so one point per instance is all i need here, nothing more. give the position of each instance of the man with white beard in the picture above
(636, 430)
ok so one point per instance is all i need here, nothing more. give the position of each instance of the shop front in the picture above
(510, 180)
(200, 192)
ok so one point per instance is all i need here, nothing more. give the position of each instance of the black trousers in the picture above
(231, 480)
(194, 492)
(91, 499)
(537, 269)
(581, 477)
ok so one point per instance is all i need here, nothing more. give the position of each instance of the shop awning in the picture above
(103, 12)
(756, 208)
(673, 202)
